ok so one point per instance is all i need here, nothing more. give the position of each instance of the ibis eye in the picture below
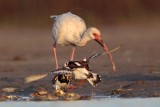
(94, 34)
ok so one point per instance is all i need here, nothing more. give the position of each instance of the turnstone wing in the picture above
(61, 79)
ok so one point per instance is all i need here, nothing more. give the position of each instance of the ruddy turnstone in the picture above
(74, 70)
(82, 71)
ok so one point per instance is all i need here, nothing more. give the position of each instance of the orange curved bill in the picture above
(105, 47)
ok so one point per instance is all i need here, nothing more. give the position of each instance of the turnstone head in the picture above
(78, 64)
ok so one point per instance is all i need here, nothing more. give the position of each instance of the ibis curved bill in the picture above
(105, 47)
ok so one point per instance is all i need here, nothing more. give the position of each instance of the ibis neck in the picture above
(85, 38)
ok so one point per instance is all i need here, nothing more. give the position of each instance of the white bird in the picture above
(70, 29)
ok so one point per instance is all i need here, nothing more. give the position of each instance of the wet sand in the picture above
(28, 51)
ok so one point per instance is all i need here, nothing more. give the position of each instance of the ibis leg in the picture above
(72, 54)
(55, 55)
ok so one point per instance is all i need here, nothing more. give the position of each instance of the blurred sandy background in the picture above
(26, 42)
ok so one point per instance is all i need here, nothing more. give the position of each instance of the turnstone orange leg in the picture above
(71, 87)
(81, 82)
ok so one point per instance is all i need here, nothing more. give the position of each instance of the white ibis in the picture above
(70, 29)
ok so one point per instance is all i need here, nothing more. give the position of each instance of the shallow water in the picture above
(102, 102)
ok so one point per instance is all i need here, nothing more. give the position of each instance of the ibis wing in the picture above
(68, 28)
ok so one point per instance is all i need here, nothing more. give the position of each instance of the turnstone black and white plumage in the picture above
(82, 71)
(74, 70)
(61, 79)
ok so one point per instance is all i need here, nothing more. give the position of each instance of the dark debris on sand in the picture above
(135, 89)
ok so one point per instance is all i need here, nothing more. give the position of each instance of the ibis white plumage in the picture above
(70, 29)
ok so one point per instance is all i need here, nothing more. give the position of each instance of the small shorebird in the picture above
(81, 71)
(70, 29)
(74, 70)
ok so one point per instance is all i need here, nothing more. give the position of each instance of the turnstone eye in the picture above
(66, 64)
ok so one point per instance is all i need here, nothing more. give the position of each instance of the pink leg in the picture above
(72, 54)
(71, 87)
(55, 55)
(77, 85)
(81, 82)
